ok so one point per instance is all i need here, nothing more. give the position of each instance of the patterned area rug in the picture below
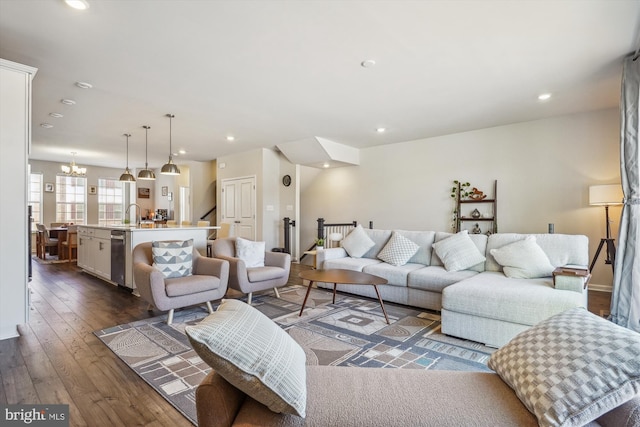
(351, 332)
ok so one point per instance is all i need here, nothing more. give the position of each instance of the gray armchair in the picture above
(208, 282)
(274, 274)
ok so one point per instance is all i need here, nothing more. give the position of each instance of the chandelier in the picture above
(73, 169)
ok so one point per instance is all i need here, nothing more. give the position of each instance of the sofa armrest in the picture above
(212, 267)
(327, 254)
(217, 402)
(277, 259)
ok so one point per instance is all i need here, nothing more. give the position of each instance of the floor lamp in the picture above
(606, 195)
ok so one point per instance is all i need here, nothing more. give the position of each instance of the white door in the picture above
(239, 206)
(185, 204)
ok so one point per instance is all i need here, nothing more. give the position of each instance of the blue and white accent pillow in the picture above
(174, 258)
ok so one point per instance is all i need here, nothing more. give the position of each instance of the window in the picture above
(35, 199)
(110, 201)
(71, 199)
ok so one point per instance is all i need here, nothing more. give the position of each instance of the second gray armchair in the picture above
(274, 274)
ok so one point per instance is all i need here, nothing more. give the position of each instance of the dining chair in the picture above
(185, 223)
(171, 223)
(45, 241)
(204, 223)
(70, 243)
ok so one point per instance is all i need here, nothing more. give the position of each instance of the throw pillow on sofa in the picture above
(253, 354)
(252, 253)
(458, 252)
(174, 258)
(398, 250)
(523, 259)
(570, 369)
(357, 243)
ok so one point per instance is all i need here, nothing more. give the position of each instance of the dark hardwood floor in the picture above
(57, 359)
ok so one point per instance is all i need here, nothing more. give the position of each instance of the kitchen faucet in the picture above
(139, 210)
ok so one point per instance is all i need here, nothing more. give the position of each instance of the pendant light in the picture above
(127, 176)
(169, 168)
(146, 173)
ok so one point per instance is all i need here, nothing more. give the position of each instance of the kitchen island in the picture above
(105, 251)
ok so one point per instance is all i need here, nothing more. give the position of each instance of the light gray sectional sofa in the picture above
(479, 302)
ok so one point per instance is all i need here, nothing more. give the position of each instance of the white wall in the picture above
(544, 169)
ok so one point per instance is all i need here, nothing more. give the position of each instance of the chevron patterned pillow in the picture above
(571, 368)
(173, 258)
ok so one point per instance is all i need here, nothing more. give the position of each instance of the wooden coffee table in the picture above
(342, 277)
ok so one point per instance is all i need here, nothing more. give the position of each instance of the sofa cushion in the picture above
(190, 285)
(436, 278)
(357, 243)
(495, 296)
(174, 258)
(262, 274)
(356, 264)
(398, 250)
(424, 239)
(523, 259)
(254, 354)
(252, 253)
(571, 368)
(395, 275)
(458, 252)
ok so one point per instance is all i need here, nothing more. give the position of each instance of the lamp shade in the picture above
(605, 195)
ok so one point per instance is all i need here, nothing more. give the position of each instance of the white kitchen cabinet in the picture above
(15, 142)
(94, 251)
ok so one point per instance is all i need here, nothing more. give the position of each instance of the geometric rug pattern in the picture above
(351, 332)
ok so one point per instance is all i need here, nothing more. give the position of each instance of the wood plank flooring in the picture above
(57, 359)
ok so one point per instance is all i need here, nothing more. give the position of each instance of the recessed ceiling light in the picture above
(56, 115)
(78, 4)
(326, 165)
(84, 85)
(231, 138)
(46, 125)
(368, 63)
(381, 130)
(175, 154)
(68, 101)
(182, 152)
(544, 96)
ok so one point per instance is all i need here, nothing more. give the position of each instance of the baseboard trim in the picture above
(600, 288)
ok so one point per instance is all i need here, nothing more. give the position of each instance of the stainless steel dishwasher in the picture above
(118, 240)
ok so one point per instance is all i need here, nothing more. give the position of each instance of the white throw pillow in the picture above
(572, 368)
(458, 252)
(174, 258)
(398, 250)
(357, 243)
(254, 354)
(252, 253)
(523, 259)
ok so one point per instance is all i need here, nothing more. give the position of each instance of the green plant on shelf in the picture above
(465, 191)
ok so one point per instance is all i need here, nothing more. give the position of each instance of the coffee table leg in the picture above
(305, 297)
(381, 304)
(334, 292)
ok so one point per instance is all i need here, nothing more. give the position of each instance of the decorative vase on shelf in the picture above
(475, 214)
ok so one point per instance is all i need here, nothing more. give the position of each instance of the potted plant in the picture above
(319, 244)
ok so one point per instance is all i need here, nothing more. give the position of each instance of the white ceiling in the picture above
(270, 72)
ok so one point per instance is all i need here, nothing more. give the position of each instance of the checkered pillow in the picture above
(254, 354)
(173, 258)
(571, 368)
(398, 250)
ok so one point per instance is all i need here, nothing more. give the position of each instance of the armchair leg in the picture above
(275, 290)
(209, 307)
(150, 307)
(170, 318)
(249, 298)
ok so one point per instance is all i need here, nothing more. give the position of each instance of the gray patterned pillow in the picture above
(571, 368)
(458, 252)
(174, 258)
(398, 250)
(254, 354)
